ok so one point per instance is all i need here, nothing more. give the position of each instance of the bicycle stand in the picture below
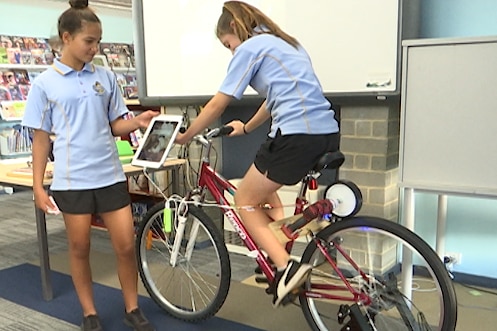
(357, 322)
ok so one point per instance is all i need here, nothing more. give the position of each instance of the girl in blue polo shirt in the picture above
(82, 106)
(303, 127)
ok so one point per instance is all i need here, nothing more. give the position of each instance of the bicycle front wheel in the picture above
(193, 283)
(400, 282)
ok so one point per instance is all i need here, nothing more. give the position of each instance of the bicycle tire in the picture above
(376, 245)
(194, 289)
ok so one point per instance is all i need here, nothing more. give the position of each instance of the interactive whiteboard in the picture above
(354, 45)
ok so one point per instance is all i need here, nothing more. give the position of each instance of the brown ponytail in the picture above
(245, 18)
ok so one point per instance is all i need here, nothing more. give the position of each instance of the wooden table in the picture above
(41, 227)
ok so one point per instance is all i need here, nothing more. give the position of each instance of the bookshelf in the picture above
(22, 58)
(15, 82)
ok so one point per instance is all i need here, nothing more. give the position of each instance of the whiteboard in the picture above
(449, 115)
(354, 45)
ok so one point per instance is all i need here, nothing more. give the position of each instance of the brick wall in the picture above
(370, 142)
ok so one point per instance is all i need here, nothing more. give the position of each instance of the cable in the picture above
(150, 180)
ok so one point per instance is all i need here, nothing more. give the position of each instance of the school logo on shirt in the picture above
(98, 88)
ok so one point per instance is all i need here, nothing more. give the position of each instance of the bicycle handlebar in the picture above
(224, 131)
(213, 133)
(221, 131)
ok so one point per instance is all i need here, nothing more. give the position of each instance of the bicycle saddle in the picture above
(330, 160)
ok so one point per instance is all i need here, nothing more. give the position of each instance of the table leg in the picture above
(41, 229)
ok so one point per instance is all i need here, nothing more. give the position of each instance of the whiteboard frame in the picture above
(343, 97)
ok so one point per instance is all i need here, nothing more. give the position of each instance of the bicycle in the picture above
(358, 281)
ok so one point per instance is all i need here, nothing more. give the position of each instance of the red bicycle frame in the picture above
(217, 184)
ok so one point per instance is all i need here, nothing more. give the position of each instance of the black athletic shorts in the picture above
(287, 159)
(93, 201)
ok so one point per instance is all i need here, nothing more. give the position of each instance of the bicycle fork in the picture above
(179, 237)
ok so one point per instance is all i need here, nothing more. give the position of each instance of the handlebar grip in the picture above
(224, 131)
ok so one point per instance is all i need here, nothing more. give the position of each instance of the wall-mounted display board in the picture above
(354, 45)
(449, 115)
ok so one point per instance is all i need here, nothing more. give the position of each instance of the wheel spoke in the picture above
(196, 287)
(368, 253)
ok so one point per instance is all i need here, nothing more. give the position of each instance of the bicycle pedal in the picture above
(258, 270)
(261, 280)
(290, 297)
(270, 290)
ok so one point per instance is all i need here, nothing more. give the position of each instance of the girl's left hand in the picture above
(145, 117)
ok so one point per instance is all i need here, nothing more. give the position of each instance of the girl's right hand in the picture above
(237, 128)
(42, 200)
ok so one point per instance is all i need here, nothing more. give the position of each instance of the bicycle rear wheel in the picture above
(405, 285)
(196, 287)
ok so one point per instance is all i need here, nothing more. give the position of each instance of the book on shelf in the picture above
(26, 57)
(14, 55)
(14, 88)
(25, 50)
(130, 92)
(15, 140)
(3, 56)
(127, 83)
(12, 110)
(119, 55)
(100, 60)
(6, 41)
(18, 42)
(38, 56)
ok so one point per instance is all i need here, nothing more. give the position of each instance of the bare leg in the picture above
(254, 190)
(276, 212)
(78, 234)
(119, 223)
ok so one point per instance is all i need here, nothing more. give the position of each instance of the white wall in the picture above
(38, 18)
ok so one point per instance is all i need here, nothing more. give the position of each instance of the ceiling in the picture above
(122, 4)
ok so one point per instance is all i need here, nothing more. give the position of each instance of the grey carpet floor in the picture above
(246, 304)
(18, 244)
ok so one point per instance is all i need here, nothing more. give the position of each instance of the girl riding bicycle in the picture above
(302, 129)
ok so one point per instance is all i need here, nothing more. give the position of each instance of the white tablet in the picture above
(157, 141)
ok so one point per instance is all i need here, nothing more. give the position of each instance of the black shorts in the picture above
(287, 159)
(93, 201)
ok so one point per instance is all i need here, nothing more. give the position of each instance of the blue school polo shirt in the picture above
(78, 106)
(284, 76)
